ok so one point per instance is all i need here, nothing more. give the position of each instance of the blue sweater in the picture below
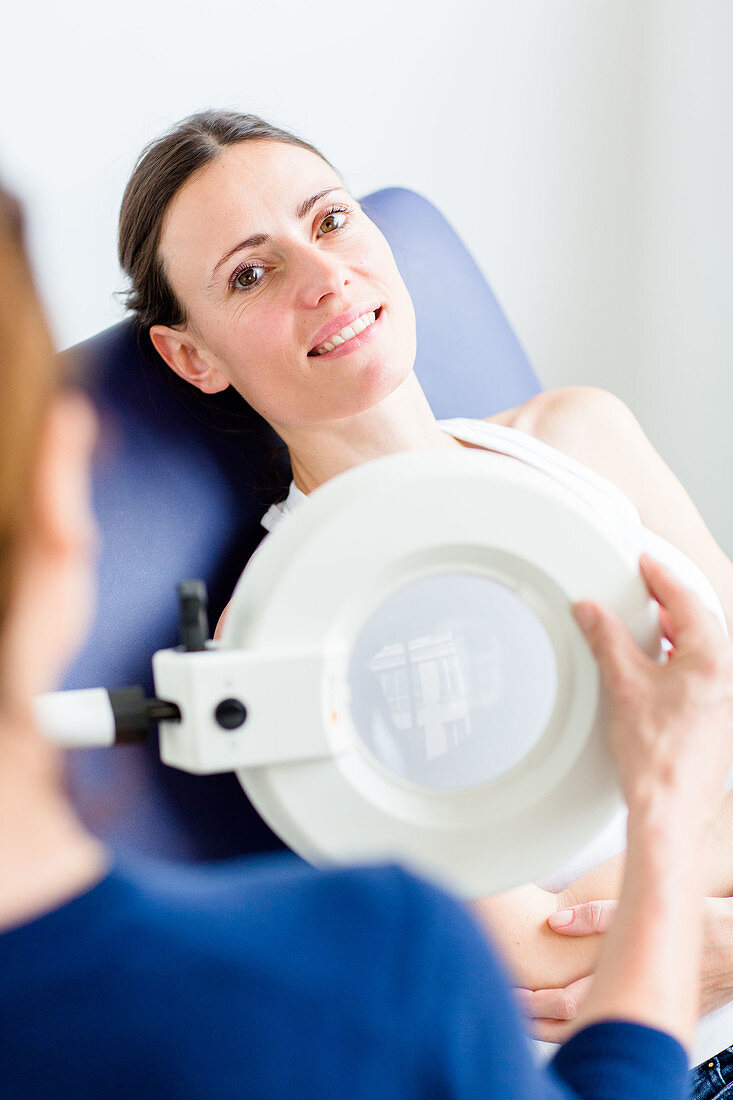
(270, 979)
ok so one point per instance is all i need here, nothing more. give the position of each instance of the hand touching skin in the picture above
(658, 716)
(552, 1012)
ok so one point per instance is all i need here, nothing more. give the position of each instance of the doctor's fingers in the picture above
(553, 1031)
(667, 627)
(692, 623)
(619, 657)
(559, 1005)
(586, 919)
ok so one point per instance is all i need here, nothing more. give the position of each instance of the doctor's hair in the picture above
(163, 167)
(29, 377)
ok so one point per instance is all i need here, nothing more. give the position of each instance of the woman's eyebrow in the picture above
(261, 238)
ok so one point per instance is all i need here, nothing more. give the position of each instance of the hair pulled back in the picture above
(161, 170)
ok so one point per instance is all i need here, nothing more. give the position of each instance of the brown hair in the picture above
(161, 170)
(29, 376)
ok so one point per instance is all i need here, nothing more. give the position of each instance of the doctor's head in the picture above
(244, 250)
(47, 532)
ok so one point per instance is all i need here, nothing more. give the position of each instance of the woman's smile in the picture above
(350, 343)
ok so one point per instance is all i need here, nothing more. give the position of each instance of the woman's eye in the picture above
(244, 278)
(332, 214)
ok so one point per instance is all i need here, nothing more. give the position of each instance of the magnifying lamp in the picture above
(400, 675)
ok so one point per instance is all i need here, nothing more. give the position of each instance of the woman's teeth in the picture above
(346, 333)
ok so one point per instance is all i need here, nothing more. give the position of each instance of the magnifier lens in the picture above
(453, 680)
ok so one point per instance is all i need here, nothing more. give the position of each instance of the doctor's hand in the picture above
(552, 1011)
(670, 726)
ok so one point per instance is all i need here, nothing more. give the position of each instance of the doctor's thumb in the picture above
(606, 634)
(586, 616)
(586, 919)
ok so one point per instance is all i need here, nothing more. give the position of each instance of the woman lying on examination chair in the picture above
(272, 979)
(256, 316)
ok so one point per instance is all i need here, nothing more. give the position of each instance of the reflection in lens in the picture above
(453, 680)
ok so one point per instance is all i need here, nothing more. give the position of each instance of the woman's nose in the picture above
(321, 273)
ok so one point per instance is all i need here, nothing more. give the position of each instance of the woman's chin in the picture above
(375, 384)
(349, 390)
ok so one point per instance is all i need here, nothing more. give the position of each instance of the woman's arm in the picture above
(595, 427)
(220, 624)
(539, 958)
(535, 956)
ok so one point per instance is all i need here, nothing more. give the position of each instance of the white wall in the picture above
(685, 372)
(580, 147)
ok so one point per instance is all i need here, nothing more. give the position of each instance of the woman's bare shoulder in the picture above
(585, 422)
(597, 428)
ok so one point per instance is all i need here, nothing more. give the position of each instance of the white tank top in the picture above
(617, 511)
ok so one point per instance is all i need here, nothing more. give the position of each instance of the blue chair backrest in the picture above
(180, 484)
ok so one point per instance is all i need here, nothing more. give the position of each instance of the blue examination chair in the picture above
(181, 481)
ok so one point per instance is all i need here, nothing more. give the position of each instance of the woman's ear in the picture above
(182, 356)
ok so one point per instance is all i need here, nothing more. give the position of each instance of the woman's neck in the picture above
(403, 421)
(46, 855)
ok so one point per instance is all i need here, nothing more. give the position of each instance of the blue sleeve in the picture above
(479, 1039)
(618, 1058)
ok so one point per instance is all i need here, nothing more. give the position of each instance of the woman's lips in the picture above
(355, 342)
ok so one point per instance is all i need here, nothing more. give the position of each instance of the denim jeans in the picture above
(713, 1079)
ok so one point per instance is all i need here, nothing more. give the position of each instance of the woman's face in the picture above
(257, 309)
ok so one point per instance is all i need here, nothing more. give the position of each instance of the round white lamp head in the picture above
(464, 718)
